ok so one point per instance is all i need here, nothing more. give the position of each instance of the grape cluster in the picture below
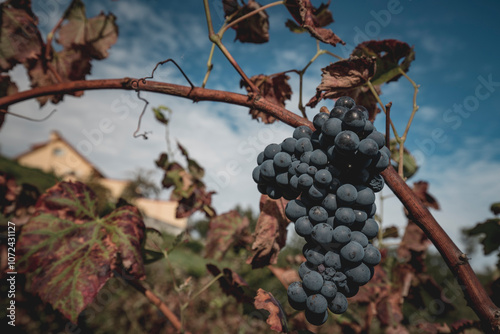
(330, 176)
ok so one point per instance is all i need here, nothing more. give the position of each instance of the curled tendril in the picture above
(135, 85)
(29, 118)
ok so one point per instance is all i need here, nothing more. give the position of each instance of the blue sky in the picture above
(456, 52)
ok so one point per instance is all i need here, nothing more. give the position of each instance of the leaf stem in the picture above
(415, 106)
(377, 97)
(246, 16)
(206, 286)
(210, 66)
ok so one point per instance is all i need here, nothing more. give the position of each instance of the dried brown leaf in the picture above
(274, 88)
(254, 29)
(270, 232)
(231, 283)
(277, 320)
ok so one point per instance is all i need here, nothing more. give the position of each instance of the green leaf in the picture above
(410, 166)
(160, 116)
(68, 252)
(495, 208)
(490, 232)
(390, 55)
(20, 39)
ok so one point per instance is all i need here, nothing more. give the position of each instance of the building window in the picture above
(58, 151)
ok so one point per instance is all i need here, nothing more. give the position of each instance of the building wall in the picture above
(161, 210)
(115, 186)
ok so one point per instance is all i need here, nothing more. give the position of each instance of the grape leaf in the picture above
(95, 35)
(254, 29)
(343, 76)
(420, 189)
(410, 166)
(225, 231)
(489, 232)
(270, 232)
(277, 318)
(17, 201)
(495, 208)
(189, 190)
(153, 246)
(274, 88)
(231, 283)
(313, 19)
(68, 252)
(390, 54)
(20, 39)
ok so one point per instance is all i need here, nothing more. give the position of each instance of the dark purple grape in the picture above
(302, 131)
(345, 101)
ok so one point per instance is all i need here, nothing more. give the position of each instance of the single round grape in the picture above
(378, 137)
(354, 119)
(306, 157)
(314, 254)
(292, 169)
(294, 182)
(288, 145)
(271, 150)
(347, 141)
(305, 181)
(312, 282)
(376, 183)
(350, 289)
(332, 259)
(302, 131)
(360, 238)
(316, 193)
(361, 109)
(370, 228)
(329, 290)
(332, 127)
(344, 216)
(339, 304)
(338, 112)
(345, 101)
(282, 179)
(267, 171)
(256, 174)
(295, 209)
(312, 170)
(323, 177)
(322, 233)
(303, 145)
(306, 267)
(368, 148)
(316, 303)
(360, 274)
(317, 214)
(318, 159)
(360, 216)
(352, 251)
(369, 128)
(372, 255)
(366, 196)
(302, 168)
(315, 318)
(315, 139)
(296, 293)
(386, 150)
(347, 194)
(319, 119)
(330, 203)
(282, 160)
(342, 234)
(303, 226)
(382, 162)
(260, 158)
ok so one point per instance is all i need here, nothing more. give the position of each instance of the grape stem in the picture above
(473, 290)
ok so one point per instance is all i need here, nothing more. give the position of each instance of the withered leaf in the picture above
(20, 39)
(420, 189)
(7, 87)
(95, 35)
(274, 88)
(495, 208)
(390, 54)
(68, 252)
(313, 19)
(340, 78)
(225, 231)
(254, 29)
(266, 301)
(489, 233)
(414, 243)
(231, 283)
(270, 232)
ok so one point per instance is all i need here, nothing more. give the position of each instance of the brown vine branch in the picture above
(477, 297)
(136, 284)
